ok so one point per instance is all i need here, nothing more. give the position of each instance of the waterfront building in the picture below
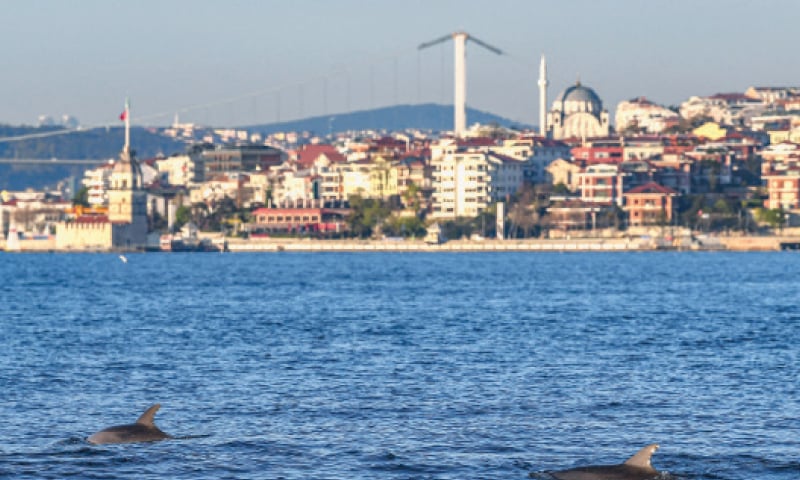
(291, 186)
(415, 171)
(467, 182)
(567, 213)
(354, 178)
(578, 113)
(297, 220)
(383, 178)
(783, 189)
(602, 184)
(650, 204)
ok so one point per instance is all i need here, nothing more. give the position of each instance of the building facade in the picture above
(466, 183)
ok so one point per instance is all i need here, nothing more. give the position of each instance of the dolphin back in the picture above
(148, 417)
(637, 467)
(144, 430)
(642, 457)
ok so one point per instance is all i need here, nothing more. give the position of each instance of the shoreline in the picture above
(593, 244)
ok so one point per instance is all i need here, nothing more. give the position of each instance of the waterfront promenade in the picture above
(608, 244)
(741, 243)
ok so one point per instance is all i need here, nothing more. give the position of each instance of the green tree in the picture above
(366, 214)
(560, 189)
(183, 215)
(81, 197)
(404, 227)
(774, 217)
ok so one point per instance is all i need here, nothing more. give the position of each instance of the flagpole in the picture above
(127, 126)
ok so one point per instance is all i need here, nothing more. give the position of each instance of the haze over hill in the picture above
(105, 143)
(427, 116)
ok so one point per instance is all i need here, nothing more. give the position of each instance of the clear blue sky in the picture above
(290, 59)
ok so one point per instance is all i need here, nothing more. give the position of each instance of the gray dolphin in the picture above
(637, 467)
(144, 430)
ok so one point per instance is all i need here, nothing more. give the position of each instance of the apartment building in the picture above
(466, 183)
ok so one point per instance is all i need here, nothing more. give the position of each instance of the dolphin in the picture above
(144, 430)
(637, 467)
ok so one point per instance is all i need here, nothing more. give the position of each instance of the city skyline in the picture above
(262, 62)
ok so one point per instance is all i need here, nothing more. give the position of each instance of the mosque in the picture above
(576, 113)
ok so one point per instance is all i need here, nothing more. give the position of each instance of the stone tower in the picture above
(127, 200)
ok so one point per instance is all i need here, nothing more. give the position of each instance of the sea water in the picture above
(400, 365)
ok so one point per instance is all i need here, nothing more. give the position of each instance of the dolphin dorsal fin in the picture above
(148, 417)
(642, 457)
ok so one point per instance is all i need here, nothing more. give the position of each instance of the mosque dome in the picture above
(578, 98)
(578, 113)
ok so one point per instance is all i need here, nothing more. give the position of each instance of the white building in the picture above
(292, 186)
(644, 115)
(182, 169)
(724, 108)
(466, 183)
(97, 181)
(536, 152)
(772, 95)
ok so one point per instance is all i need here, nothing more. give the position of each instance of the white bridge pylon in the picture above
(460, 96)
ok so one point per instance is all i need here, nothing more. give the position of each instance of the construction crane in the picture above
(460, 100)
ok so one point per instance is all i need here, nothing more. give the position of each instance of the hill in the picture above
(106, 143)
(396, 118)
(90, 144)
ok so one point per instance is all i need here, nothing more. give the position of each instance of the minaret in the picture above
(543, 97)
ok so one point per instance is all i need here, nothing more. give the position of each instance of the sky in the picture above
(244, 62)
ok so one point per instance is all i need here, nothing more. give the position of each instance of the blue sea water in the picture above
(400, 366)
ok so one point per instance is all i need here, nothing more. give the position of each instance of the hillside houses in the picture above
(743, 156)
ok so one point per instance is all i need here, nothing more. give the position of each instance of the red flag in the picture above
(123, 115)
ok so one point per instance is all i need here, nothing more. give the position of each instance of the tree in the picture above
(774, 217)
(560, 189)
(366, 214)
(521, 214)
(81, 197)
(411, 226)
(183, 215)
(156, 222)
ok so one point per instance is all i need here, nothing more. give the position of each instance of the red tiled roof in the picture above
(285, 211)
(92, 219)
(652, 187)
(476, 142)
(310, 153)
